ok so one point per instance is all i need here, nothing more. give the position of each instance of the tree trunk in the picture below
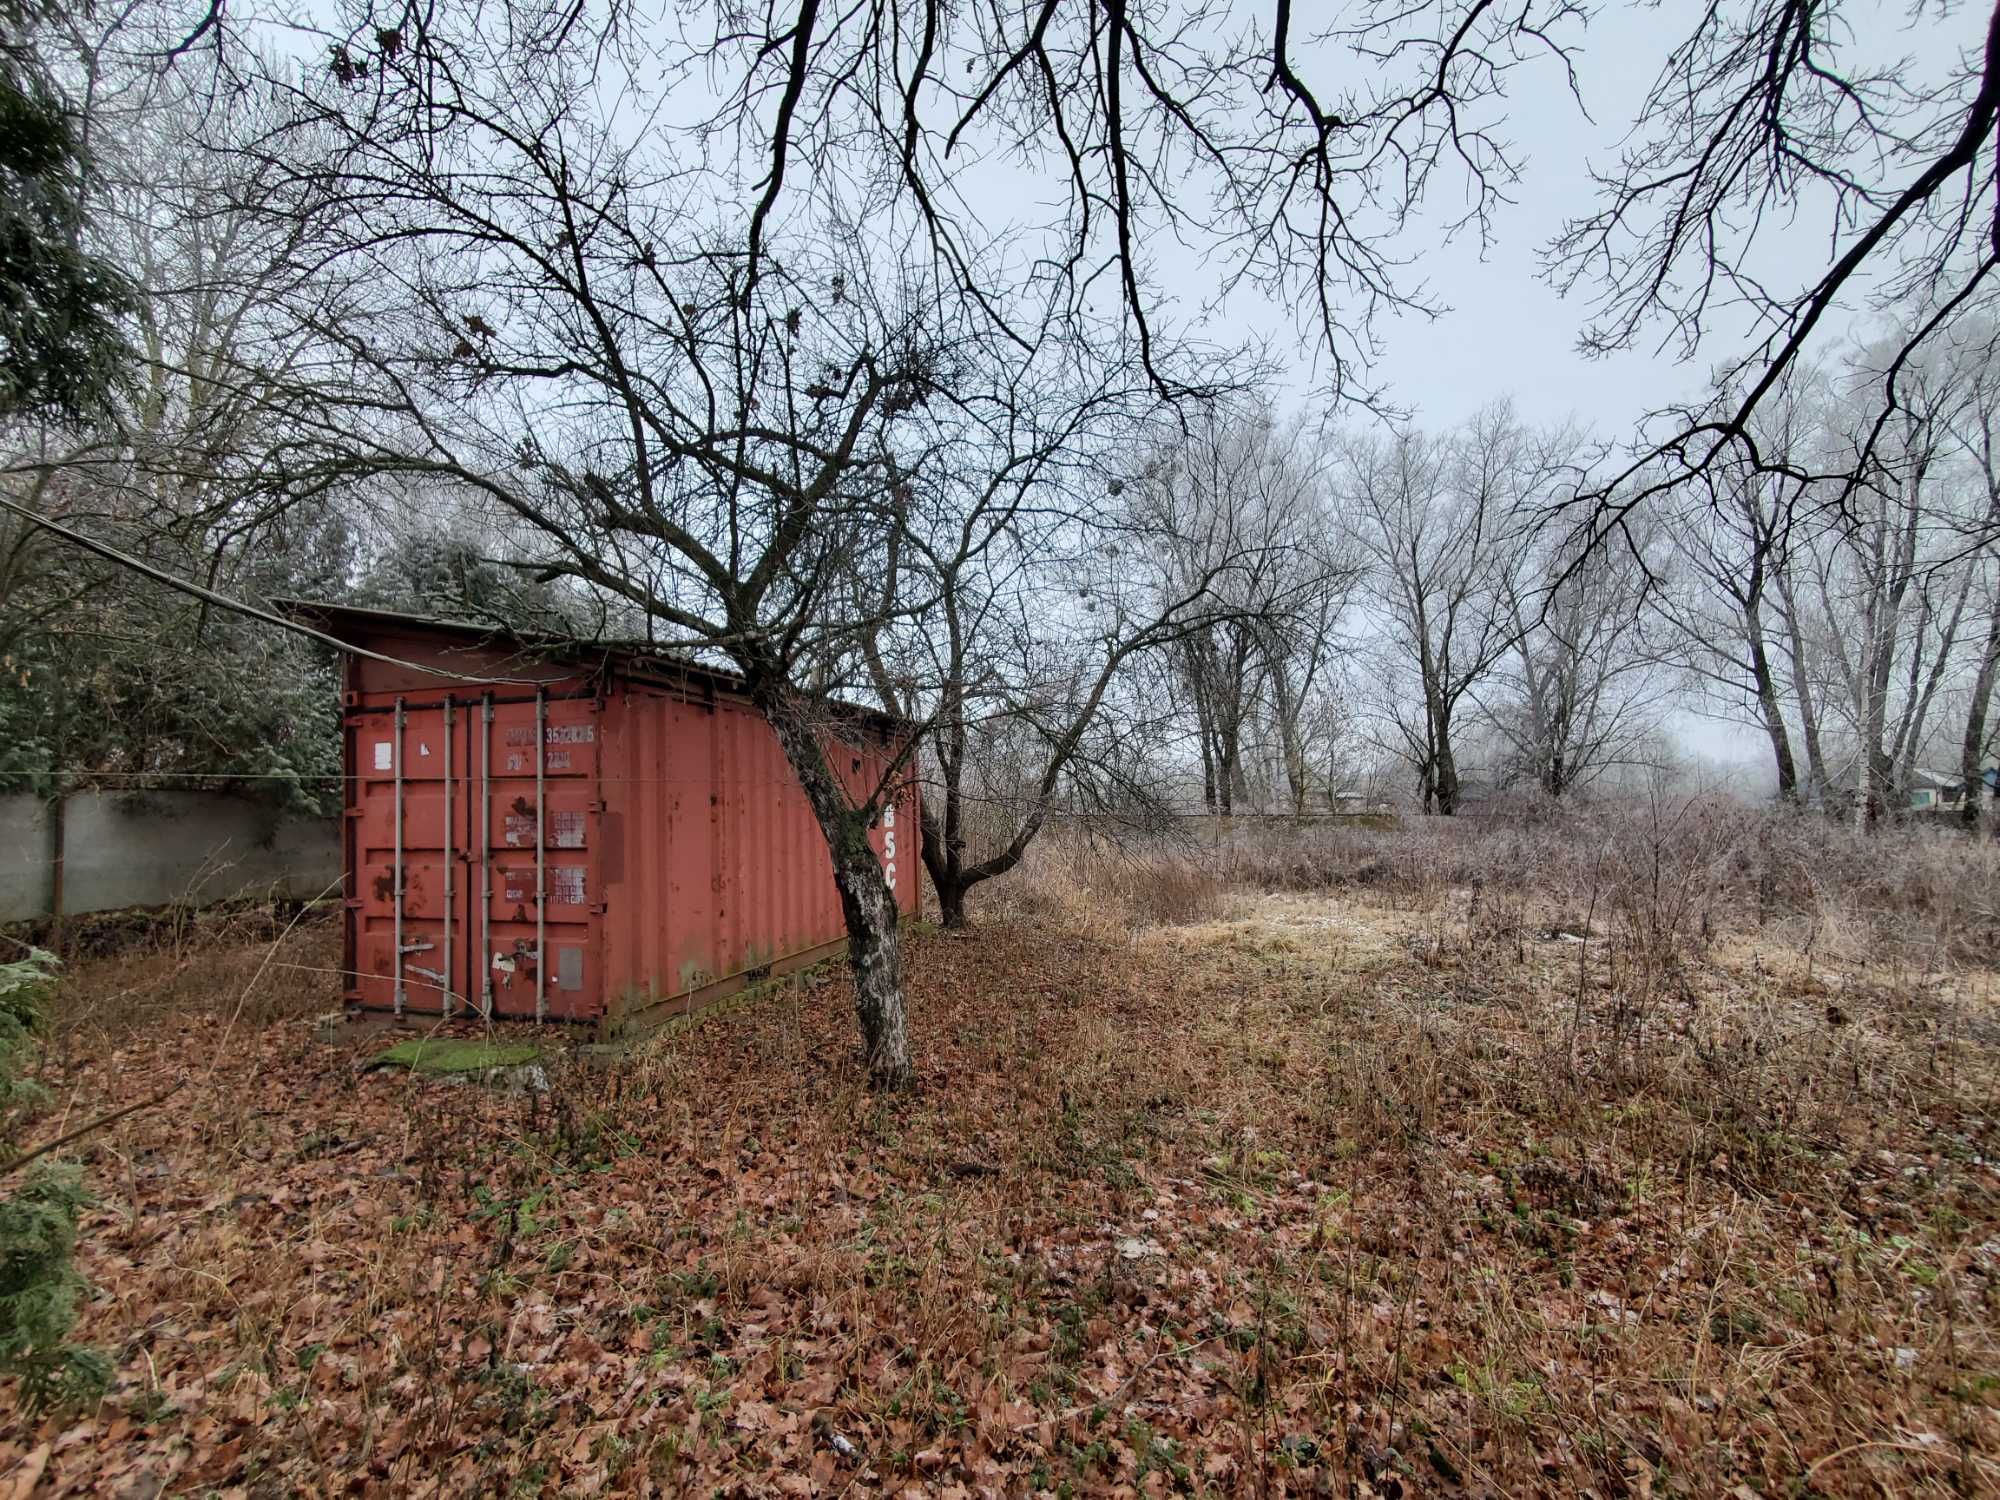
(1295, 769)
(951, 905)
(1292, 738)
(1425, 757)
(1816, 782)
(874, 948)
(944, 862)
(1870, 806)
(1447, 778)
(1972, 751)
(875, 954)
(1444, 764)
(1769, 708)
(954, 879)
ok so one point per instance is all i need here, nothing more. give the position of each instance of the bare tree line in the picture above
(1846, 607)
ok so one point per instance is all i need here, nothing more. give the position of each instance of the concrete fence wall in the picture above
(154, 848)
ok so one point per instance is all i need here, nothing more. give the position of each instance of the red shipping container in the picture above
(579, 833)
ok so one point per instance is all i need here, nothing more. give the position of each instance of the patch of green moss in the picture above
(457, 1055)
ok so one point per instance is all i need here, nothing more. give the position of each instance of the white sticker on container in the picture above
(383, 754)
(422, 748)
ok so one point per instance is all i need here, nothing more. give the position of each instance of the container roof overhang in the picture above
(357, 626)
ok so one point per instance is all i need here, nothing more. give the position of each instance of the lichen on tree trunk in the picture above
(875, 954)
(874, 948)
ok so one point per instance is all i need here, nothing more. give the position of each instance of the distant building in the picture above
(1356, 803)
(1944, 791)
(1926, 792)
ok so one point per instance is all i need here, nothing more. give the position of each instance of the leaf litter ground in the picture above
(1319, 1199)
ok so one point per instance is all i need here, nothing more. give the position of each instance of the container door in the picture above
(411, 951)
(540, 877)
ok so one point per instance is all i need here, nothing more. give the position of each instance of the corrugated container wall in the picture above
(578, 839)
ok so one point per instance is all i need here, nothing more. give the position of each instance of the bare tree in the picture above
(1768, 110)
(1289, 150)
(1436, 518)
(1892, 611)
(526, 279)
(1977, 743)
(1305, 643)
(1578, 693)
(1239, 509)
(1039, 578)
(1972, 423)
(1729, 593)
(736, 430)
(1836, 611)
(111, 675)
(512, 301)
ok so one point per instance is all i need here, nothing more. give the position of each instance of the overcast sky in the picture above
(1508, 332)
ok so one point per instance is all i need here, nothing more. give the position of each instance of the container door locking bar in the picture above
(486, 856)
(396, 885)
(541, 854)
(450, 775)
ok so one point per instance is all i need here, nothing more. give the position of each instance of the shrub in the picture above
(25, 987)
(1105, 886)
(39, 1284)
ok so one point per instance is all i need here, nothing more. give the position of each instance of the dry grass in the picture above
(1106, 889)
(258, 965)
(1690, 1180)
(1506, 1161)
(1923, 892)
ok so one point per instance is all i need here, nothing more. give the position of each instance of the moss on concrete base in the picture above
(457, 1055)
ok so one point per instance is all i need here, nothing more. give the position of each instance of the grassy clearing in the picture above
(1390, 1188)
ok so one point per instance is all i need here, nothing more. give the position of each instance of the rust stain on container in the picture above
(607, 833)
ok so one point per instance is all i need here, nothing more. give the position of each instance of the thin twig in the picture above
(97, 1124)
